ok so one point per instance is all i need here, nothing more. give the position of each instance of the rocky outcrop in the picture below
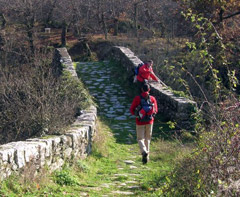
(52, 151)
(177, 109)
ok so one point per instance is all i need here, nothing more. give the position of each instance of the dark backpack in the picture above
(136, 69)
(146, 105)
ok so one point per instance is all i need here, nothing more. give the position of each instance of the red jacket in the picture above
(145, 72)
(137, 101)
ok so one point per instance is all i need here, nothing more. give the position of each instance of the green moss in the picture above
(74, 89)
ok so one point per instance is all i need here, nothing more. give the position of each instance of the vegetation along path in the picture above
(114, 167)
(115, 164)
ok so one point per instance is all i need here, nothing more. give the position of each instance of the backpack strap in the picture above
(147, 101)
(154, 107)
(148, 98)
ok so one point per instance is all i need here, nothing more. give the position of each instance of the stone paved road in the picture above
(114, 104)
(111, 97)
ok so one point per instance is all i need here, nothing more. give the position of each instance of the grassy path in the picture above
(114, 168)
(118, 167)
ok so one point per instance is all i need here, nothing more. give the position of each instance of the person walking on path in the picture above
(144, 107)
(145, 73)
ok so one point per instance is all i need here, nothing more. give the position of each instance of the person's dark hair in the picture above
(149, 62)
(145, 87)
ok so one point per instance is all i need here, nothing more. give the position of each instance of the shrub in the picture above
(33, 102)
(213, 169)
(64, 177)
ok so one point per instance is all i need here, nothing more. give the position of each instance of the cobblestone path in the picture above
(111, 97)
(113, 104)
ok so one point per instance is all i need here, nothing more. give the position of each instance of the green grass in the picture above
(105, 170)
(100, 168)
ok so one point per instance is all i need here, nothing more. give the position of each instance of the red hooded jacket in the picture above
(145, 72)
(137, 101)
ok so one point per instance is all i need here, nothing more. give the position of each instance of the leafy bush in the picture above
(34, 102)
(213, 169)
(64, 177)
(189, 178)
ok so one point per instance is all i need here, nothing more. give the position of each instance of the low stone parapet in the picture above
(52, 151)
(178, 109)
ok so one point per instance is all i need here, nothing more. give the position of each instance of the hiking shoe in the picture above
(144, 157)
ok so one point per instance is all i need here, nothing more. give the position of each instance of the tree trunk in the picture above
(115, 33)
(76, 31)
(4, 21)
(75, 23)
(148, 15)
(89, 52)
(104, 26)
(30, 39)
(63, 34)
(136, 19)
(30, 34)
(50, 13)
(221, 15)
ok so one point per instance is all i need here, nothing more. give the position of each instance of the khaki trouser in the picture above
(144, 134)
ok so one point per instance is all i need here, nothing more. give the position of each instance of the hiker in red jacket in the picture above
(144, 107)
(145, 73)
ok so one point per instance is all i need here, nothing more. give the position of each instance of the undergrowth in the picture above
(100, 167)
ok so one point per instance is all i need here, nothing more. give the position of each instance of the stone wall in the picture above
(177, 109)
(52, 151)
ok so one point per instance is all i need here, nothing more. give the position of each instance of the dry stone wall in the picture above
(52, 151)
(177, 109)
